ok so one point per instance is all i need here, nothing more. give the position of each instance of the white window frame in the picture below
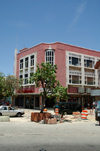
(52, 62)
(27, 70)
(21, 64)
(32, 60)
(78, 56)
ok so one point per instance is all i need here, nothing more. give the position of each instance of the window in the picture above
(50, 56)
(89, 62)
(27, 67)
(4, 108)
(31, 81)
(32, 60)
(21, 64)
(26, 62)
(21, 77)
(75, 79)
(75, 59)
(26, 79)
(89, 81)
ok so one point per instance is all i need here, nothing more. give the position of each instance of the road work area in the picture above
(27, 116)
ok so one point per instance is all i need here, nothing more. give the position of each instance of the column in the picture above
(67, 68)
(82, 70)
(96, 75)
(40, 102)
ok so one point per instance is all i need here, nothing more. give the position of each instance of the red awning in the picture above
(97, 65)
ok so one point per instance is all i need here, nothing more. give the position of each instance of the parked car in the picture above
(68, 107)
(10, 111)
(97, 111)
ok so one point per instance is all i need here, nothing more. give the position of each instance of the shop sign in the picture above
(72, 90)
(26, 90)
(95, 92)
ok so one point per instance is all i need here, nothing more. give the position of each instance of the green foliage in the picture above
(7, 85)
(2, 79)
(60, 92)
(45, 77)
(11, 83)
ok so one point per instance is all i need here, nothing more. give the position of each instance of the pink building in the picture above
(96, 92)
(75, 71)
(97, 66)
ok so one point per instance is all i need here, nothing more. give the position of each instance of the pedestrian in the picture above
(43, 107)
(94, 104)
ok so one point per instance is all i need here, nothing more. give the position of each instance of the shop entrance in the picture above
(19, 101)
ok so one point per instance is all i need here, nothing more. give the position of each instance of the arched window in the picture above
(50, 56)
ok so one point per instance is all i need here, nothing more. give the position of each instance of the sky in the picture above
(26, 23)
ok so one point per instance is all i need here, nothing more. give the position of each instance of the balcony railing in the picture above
(75, 82)
(90, 83)
(89, 74)
(74, 72)
(72, 64)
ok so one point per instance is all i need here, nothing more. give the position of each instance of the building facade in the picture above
(75, 71)
(96, 92)
(97, 66)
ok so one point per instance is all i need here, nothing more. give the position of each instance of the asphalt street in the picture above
(30, 136)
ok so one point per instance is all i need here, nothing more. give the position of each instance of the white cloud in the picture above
(80, 9)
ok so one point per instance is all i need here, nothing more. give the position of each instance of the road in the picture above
(30, 136)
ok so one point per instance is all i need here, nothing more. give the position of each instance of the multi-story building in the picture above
(97, 66)
(96, 92)
(75, 71)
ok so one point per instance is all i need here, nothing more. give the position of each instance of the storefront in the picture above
(96, 93)
(80, 95)
(30, 101)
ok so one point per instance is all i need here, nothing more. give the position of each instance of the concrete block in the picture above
(52, 121)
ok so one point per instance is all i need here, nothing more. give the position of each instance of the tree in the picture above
(1, 84)
(8, 84)
(45, 77)
(60, 92)
(11, 83)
